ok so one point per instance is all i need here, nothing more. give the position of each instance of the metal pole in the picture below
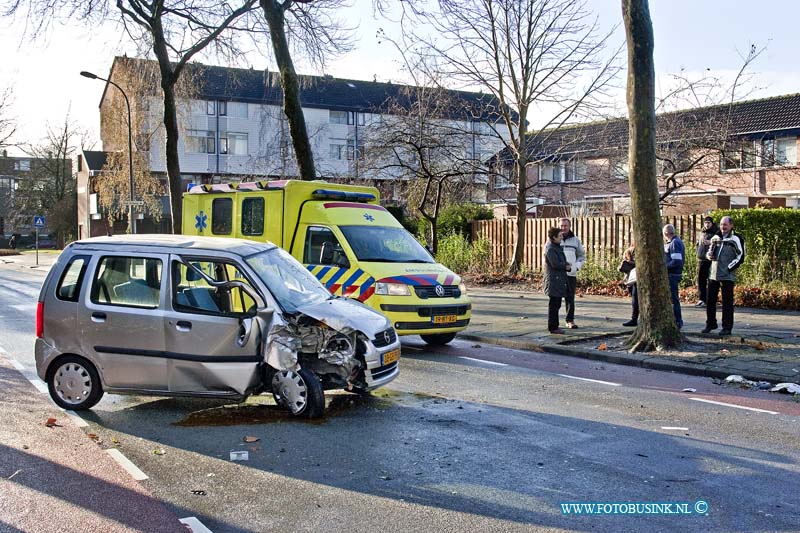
(37, 247)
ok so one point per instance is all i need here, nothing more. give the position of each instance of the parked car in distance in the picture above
(44, 244)
(174, 315)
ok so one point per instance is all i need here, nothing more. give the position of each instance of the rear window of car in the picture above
(69, 286)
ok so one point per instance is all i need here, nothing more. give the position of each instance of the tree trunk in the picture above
(522, 213)
(292, 108)
(657, 328)
(168, 81)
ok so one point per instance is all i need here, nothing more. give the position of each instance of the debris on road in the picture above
(251, 439)
(240, 456)
(786, 388)
(159, 451)
(198, 492)
(603, 347)
(14, 474)
(52, 423)
(689, 390)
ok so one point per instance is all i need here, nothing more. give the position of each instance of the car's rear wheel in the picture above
(300, 392)
(438, 339)
(74, 383)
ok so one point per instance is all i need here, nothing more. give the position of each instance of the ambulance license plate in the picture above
(445, 319)
(391, 357)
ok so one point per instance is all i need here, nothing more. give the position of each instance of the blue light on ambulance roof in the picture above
(327, 194)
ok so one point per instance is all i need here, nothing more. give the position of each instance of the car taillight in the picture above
(40, 320)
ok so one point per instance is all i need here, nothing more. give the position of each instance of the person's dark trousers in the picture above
(727, 304)
(674, 281)
(552, 313)
(703, 269)
(569, 299)
(634, 302)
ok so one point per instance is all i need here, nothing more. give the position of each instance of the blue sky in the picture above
(692, 35)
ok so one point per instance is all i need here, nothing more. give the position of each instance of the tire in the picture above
(438, 339)
(74, 383)
(299, 392)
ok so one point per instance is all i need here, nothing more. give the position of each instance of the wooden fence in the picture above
(604, 238)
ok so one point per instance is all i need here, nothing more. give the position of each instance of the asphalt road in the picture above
(467, 438)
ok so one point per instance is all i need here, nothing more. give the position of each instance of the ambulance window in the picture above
(253, 216)
(322, 247)
(221, 216)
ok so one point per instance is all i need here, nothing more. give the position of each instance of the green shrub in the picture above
(459, 255)
(457, 218)
(595, 273)
(774, 232)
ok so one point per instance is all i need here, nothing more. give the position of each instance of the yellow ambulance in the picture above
(353, 245)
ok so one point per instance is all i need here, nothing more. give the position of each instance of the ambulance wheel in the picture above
(438, 339)
(300, 392)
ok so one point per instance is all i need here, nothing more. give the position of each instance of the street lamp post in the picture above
(131, 221)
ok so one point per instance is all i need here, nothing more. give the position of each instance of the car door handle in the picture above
(98, 317)
(183, 325)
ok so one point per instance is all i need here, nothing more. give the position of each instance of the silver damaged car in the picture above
(173, 315)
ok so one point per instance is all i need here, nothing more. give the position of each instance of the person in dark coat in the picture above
(703, 264)
(630, 257)
(555, 278)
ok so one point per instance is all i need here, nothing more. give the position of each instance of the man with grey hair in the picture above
(576, 257)
(726, 254)
(675, 254)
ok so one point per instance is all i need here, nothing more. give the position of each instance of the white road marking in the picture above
(77, 419)
(194, 525)
(591, 380)
(40, 385)
(735, 406)
(16, 364)
(674, 428)
(482, 361)
(413, 348)
(126, 463)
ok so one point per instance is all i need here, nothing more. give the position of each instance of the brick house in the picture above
(730, 156)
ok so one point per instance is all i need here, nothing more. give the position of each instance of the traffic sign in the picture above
(134, 203)
(38, 221)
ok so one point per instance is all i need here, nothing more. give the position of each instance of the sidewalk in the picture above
(519, 320)
(58, 479)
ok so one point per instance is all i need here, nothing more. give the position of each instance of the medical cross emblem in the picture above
(201, 221)
(369, 217)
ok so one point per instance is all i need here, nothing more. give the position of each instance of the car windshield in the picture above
(385, 245)
(288, 281)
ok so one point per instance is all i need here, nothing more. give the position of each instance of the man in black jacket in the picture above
(703, 264)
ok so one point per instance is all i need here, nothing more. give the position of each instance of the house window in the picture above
(352, 153)
(574, 171)
(338, 117)
(338, 150)
(22, 164)
(741, 155)
(211, 107)
(786, 151)
(353, 117)
(233, 144)
(223, 108)
(237, 109)
(200, 142)
(620, 170)
(549, 172)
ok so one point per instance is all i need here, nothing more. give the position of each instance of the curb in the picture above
(641, 360)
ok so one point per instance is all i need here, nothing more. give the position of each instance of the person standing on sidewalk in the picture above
(726, 254)
(573, 250)
(629, 264)
(703, 264)
(675, 253)
(556, 267)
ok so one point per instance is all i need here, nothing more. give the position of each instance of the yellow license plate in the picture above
(391, 357)
(445, 319)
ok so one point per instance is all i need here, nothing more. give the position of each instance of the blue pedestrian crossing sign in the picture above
(38, 221)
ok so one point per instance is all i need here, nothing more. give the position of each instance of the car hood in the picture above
(343, 314)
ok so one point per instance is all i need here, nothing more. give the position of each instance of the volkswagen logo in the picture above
(387, 336)
(439, 291)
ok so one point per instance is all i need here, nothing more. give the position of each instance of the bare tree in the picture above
(657, 328)
(8, 124)
(310, 23)
(175, 31)
(532, 56)
(49, 188)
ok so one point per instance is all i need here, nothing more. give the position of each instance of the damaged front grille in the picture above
(385, 338)
(382, 371)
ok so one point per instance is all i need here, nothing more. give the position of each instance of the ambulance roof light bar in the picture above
(348, 196)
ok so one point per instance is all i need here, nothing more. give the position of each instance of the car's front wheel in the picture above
(74, 383)
(438, 339)
(300, 392)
